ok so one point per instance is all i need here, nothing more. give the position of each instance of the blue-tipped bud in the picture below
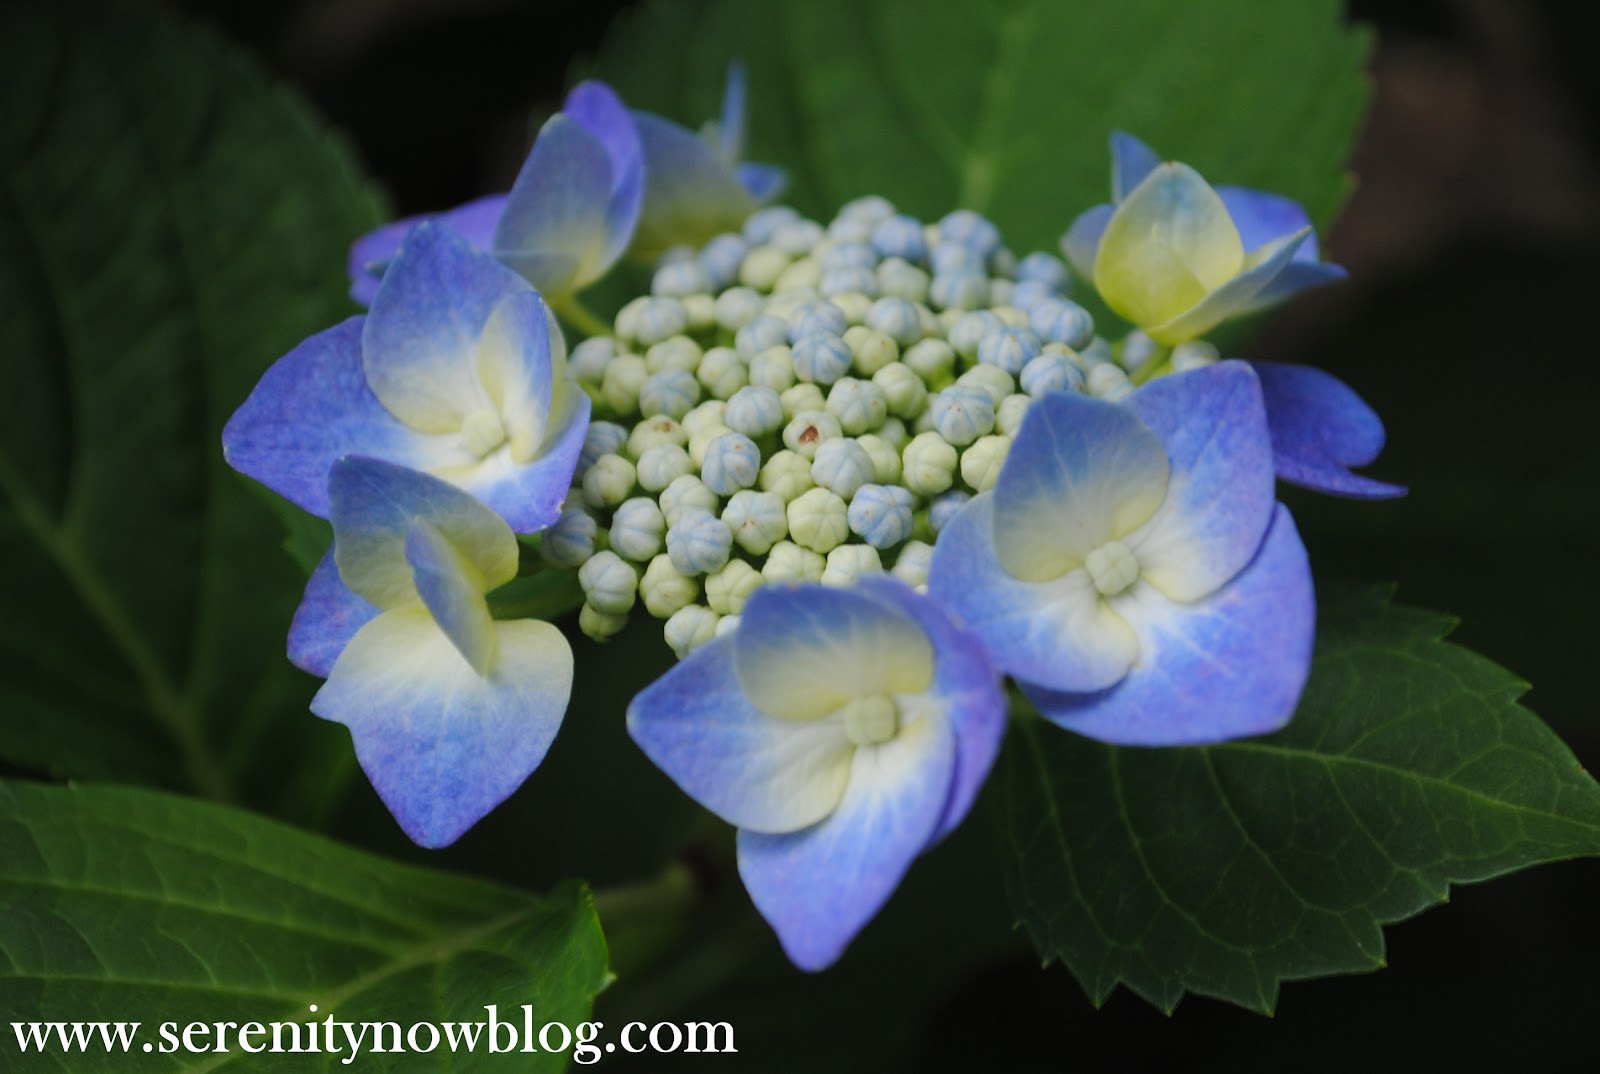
(900, 236)
(881, 514)
(1009, 349)
(821, 358)
(732, 463)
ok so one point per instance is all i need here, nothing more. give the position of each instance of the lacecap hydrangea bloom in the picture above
(456, 370)
(449, 709)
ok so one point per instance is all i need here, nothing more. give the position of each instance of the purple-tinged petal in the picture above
(441, 744)
(598, 110)
(1131, 161)
(1262, 217)
(1233, 297)
(966, 683)
(1081, 472)
(763, 181)
(1058, 632)
(751, 769)
(528, 496)
(1296, 276)
(818, 887)
(1082, 241)
(802, 652)
(310, 408)
(374, 505)
(419, 345)
(690, 194)
(328, 617)
(1219, 499)
(448, 587)
(560, 201)
(1320, 428)
(370, 254)
(1230, 665)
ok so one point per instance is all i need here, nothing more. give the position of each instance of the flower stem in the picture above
(575, 313)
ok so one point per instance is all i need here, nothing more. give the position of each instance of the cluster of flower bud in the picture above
(796, 402)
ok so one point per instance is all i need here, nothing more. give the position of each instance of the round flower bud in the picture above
(923, 422)
(762, 266)
(809, 430)
(720, 259)
(855, 304)
(729, 588)
(911, 565)
(702, 310)
(672, 392)
(788, 562)
(658, 318)
(758, 520)
(847, 281)
(773, 368)
(897, 319)
(662, 464)
(869, 208)
(1051, 373)
(786, 475)
(684, 494)
(804, 274)
(1044, 268)
(754, 411)
(893, 432)
(1009, 349)
(818, 520)
(800, 398)
(842, 466)
(860, 405)
(970, 229)
(722, 372)
(1097, 349)
(885, 459)
(1063, 322)
(991, 380)
(901, 279)
(849, 562)
(619, 387)
(727, 625)
(679, 278)
(796, 236)
(870, 349)
(881, 515)
(1109, 382)
(1027, 295)
(971, 329)
(737, 307)
(853, 254)
(813, 318)
(636, 529)
(961, 414)
(1011, 316)
(600, 625)
(690, 627)
(679, 352)
(588, 360)
(732, 462)
(698, 542)
(708, 415)
(664, 590)
(903, 392)
(761, 225)
(900, 236)
(933, 360)
(609, 481)
(953, 257)
(1193, 354)
(609, 583)
(980, 463)
(783, 303)
(928, 464)
(569, 542)
(1009, 414)
(944, 507)
(959, 291)
(821, 358)
(759, 334)
(601, 438)
(1137, 351)
(700, 442)
(652, 432)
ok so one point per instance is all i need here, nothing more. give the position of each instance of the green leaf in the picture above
(1225, 870)
(132, 906)
(170, 223)
(1005, 106)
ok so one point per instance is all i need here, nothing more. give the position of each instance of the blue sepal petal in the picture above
(690, 194)
(818, 887)
(1262, 217)
(598, 109)
(1082, 241)
(1131, 161)
(559, 203)
(371, 254)
(731, 127)
(1320, 429)
(763, 181)
(529, 496)
(1230, 665)
(328, 617)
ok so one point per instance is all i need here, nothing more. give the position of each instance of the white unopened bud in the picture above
(655, 431)
(821, 358)
(698, 542)
(1008, 416)
(722, 372)
(885, 459)
(762, 266)
(911, 565)
(860, 405)
(1192, 354)
(786, 475)
(636, 529)
(800, 398)
(993, 381)
(754, 411)
(818, 520)
(1109, 382)
(664, 590)
(690, 627)
(588, 361)
(904, 393)
(773, 368)
(619, 387)
(662, 464)
(609, 481)
(928, 464)
(732, 462)
(842, 466)
(569, 542)
(933, 360)
(809, 430)
(708, 415)
(678, 352)
(600, 625)
(737, 307)
(803, 273)
(730, 587)
(686, 493)
(894, 433)
(609, 583)
(981, 463)
(870, 349)
(962, 414)
(896, 318)
(788, 562)
(849, 562)
(672, 392)
(758, 520)
(881, 515)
